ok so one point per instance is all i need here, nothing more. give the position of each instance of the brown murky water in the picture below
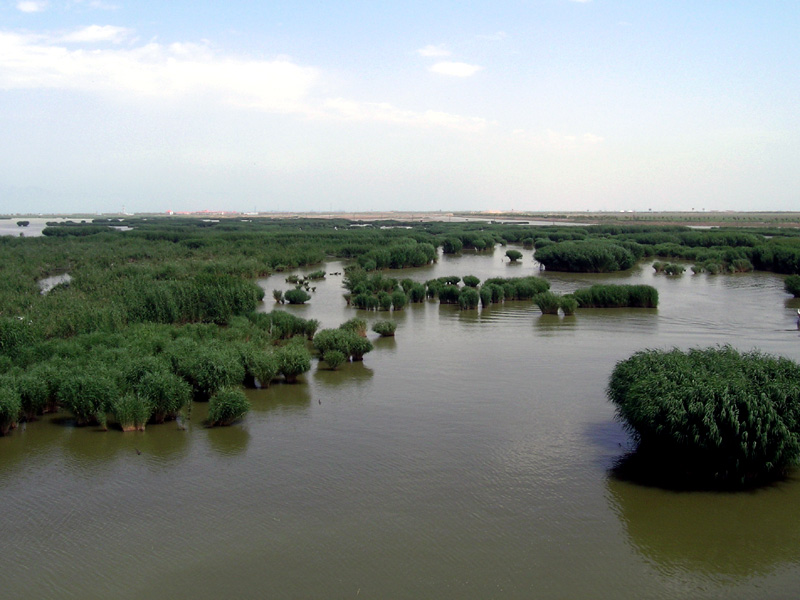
(466, 458)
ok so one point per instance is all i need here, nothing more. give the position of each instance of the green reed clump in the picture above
(568, 304)
(513, 255)
(586, 256)
(518, 288)
(349, 343)
(10, 407)
(165, 393)
(617, 296)
(88, 394)
(34, 393)
(293, 361)
(792, 285)
(131, 412)
(226, 406)
(468, 298)
(548, 303)
(334, 359)
(711, 416)
(296, 296)
(384, 328)
(355, 325)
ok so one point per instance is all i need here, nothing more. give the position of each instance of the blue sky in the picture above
(355, 106)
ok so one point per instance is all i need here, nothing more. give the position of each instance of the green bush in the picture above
(471, 281)
(131, 412)
(590, 256)
(712, 416)
(384, 328)
(355, 325)
(468, 298)
(166, 394)
(568, 304)
(87, 395)
(10, 407)
(226, 406)
(548, 303)
(296, 296)
(617, 296)
(334, 359)
(792, 285)
(293, 360)
(513, 255)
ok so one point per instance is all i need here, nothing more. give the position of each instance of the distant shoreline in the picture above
(687, 218)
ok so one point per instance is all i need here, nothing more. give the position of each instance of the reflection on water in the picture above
(228, 441)
(719, 535)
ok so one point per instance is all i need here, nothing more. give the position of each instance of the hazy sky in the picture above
(416, 105)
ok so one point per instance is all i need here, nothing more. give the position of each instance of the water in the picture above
(466, 458)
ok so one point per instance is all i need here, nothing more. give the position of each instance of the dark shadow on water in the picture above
(653, 469)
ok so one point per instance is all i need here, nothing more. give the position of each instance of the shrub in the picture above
(10, 406)
(296, 296)
(674, 269)
(131, 412)
(714, 416)
(87, 395)
(591, 256)
(471, 281)
(548, 303)
(334, 358)
(449, 294)
(485, 294)
(226, 406)
(399, 300)
(359, 347)
(568, 304)
(355, 325)
(34, 394)
(617, 296)
(166, 393)
(513, 255)
(468, 298)
(293, 360)
(384, 328)
(792, 285)
(278, 295)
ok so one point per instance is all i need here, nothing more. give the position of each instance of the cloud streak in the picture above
(32, 6)
(181, 70)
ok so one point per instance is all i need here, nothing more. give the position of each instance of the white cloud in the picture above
(455, 69)
(153, 70)
(433, 51)
(32, 6)
(98, 33)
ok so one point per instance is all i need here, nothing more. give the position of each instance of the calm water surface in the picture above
(466, 458)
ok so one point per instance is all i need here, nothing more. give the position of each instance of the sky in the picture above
(351, 106)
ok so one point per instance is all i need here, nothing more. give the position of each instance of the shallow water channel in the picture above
(466, 458)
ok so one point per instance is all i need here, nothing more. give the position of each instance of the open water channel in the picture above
(468, 457)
